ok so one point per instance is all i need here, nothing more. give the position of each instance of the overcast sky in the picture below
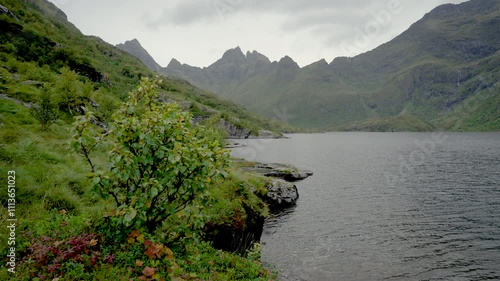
(198, 32)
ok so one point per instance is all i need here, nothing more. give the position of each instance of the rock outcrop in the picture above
(233, 131)
(280, 195)
(4, 10)
(281, 192)
(265, 134)
(286, 172)
(236, 132)
(25, 104)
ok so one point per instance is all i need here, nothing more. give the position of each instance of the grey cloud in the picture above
(319, 18)
(337, 23)
(294, 6)
(189, 12)
(333, 34)
(183, 13)
(194, 11)
(330, 22)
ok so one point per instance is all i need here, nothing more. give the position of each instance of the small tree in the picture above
(85, 138)
(45, 111)
(69, 92)
(159, 163)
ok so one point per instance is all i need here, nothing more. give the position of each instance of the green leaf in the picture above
(130, 216)
(224, 174)
(153, 192)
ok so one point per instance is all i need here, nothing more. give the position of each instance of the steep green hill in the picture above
(38, 47)
(446, 61)
(64, 227)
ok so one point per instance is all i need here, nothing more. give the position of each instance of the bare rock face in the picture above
(281, 192)
(281, 195)
(236, 132)
(233, 131)
(4, 10)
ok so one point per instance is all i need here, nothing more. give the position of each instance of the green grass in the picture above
(55, 198)
(50, 179)
(56, 206)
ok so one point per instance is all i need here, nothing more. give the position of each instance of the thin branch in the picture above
(87, 156)
(115, 197)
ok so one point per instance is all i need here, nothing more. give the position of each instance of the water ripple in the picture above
(441, 222)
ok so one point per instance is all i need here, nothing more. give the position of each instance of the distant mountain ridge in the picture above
(445, 62)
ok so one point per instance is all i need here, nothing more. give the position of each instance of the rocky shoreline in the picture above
(285, 172)
(281, 190)
(280, 194)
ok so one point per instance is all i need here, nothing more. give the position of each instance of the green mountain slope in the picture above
(38, 47)
(61, 226)
(443, 62)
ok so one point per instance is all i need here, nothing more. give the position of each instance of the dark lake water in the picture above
(387, 206)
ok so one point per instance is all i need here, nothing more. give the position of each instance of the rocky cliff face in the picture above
(233, 131)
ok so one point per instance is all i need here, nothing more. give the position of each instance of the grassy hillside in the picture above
(64, 228)
(58, 213)
(38, 46)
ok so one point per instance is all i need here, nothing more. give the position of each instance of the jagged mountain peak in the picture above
(135, 48)
(321, 62)
(256, 56)
(288, 62)
(134, 42)
(233, 54)
(174, 63)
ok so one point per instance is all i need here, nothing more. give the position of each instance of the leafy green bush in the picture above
(44, 112)
(70, 92)
(214, 129)
(107, 103)
(159, 163)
